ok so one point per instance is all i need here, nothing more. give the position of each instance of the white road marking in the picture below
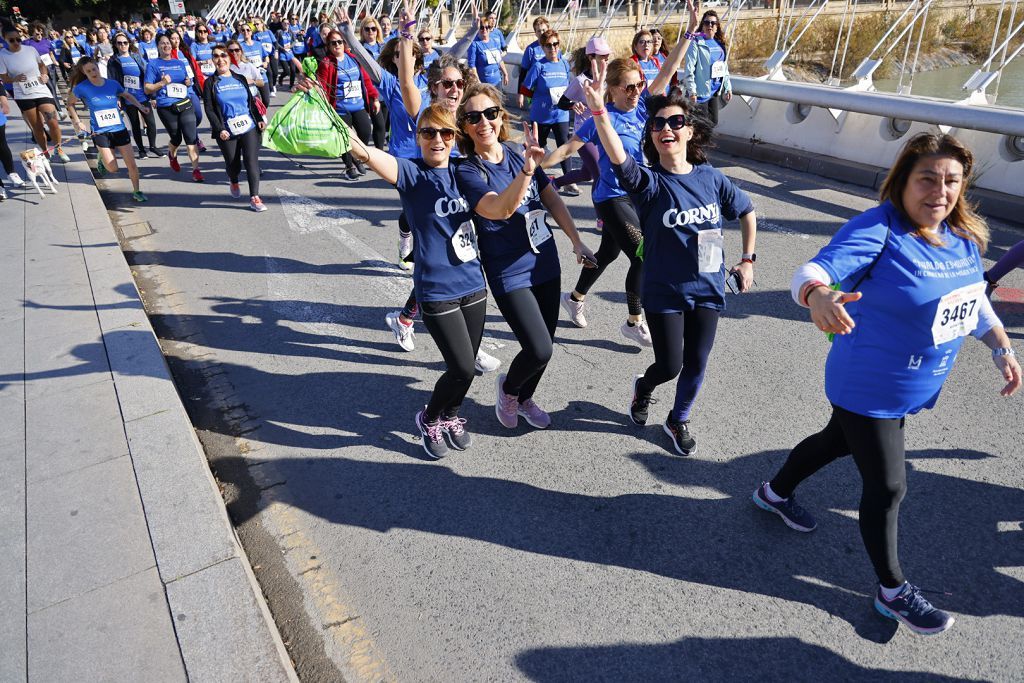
(774, 227)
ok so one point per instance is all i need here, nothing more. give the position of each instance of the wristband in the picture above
(406, 35)
(690, 36)
(1002, 351)
(528, 175)
(808, 288)
(599, 112)
(411, 23)
(747, 260)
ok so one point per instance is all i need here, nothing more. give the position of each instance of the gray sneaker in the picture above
(638, 334)
(404, 334)
(433, 436)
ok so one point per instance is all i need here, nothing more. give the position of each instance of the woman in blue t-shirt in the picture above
(900, 286)
(449, 284)
(268, 41)
(147, 45)
(485, 54)
(706, 69)
(167, 82)
(682, 201)
(102, 98)
(257, 55)
(545, 84)
(127, 68)
(511, 201)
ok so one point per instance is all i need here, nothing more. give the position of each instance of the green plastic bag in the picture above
(309, 67)
(307, 125)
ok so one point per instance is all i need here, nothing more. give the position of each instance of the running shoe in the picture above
(3, 195)
(574, 309)
(455, 433)
(506, 406)
(139, 197)
(197, 176)
(63, 115)
(360, 169)
(59, 151)
(153, 153)
(433, 436)
(532, 413)
(236, 191)
(791, 513)
(913, 610)
(404, 334)
(175, 166)
(16, 180)
(682, 441)
(101, 169)
(273, 92)
(404, 249)
(351, 173)
(256, 204)
(640, 404)
(485, 362)
(141, 153)
(638, 334)
(571, 190)
(200, 146)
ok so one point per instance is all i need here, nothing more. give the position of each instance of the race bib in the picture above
(297, 45)
(256, 60)
(719, 70)
(237, 125)
(268, 47)
(556, 93)
(46, 59)
(710, 250)
(351, 90)
(957, 313)
(132, 83)
(107, 117)
(151, 53)
(206, 68)
(537, 230)
(464, 242)
(189, 72)
(254, 90)
(492, 56)
(26, 87)
(177, 90)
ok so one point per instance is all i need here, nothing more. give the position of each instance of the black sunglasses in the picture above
(554, 44)
(447, 134)
(220, 55)
(120, 42)
(710, 23)
(14, 40)
(675, 122)
(448, 84)
(335, 43)
(234, 49)
(370, 28)
(201, 30)
(426, 39)
(474, 117)
(631, 88)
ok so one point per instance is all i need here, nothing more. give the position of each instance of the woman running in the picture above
(268, 40)
(545, 84)
(645, 57)
(286, 42)
(23, 68)
(1014, 258)
(127, 69)
(485, 55)
(533, 53)
(102, 97)
(167, 81)
(900, 281)
(236, 124)
(147, 45)
(511, 201)
(195, 91)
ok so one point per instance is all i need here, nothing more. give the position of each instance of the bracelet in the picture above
(405, 35)
(411, 23)
(1003, 351)
(690, 36)
(808, 288)
(528, 175)
(599, 112)
(747, 260)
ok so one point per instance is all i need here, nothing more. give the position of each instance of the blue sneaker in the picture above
(914, 611)
(792, 514)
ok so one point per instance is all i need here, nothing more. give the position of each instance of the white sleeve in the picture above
(987, 319)
(805, 273)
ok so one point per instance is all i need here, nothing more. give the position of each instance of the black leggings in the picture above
(457, 327)
(135, 119)
(380, 127)
(682, 344)
(245, 147)
(561, 131)
(878, 451)
(287, 69)
(360, 121)
(51, 83)
(621, 232)
(272, 72)
(710, 109)
(6, 159)
(532, 313)
(179, 125)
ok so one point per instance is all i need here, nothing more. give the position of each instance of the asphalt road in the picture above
(588, 551)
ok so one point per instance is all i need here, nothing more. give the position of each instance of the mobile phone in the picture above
(732, 281)
(589, 262)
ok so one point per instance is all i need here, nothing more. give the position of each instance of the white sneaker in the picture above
(638, 334)
(404, 334)
(3, 194)
(404, 249)
(16, 180)
(485, 362)
(273, 92)
(574, 309)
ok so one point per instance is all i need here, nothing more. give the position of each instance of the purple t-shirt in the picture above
(43, 47)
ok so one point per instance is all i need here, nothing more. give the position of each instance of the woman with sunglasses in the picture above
(127, 69)
(268, 40)
(706, 70)
(370, 36)
(511, 200)
(201, 50)
(23, 68)
(257, 55)
(235, 122)
(168, 83)
(425, 39)
(627, 109)
(644, 55)
(449, 284)
(195, 92)
(285, 38)
(533, 53)
(682, 202)
(70, 53)
(485, 55)
(102, 98)
(45, 47)
(545, 84)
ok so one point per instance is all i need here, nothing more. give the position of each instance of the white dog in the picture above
(37, 166)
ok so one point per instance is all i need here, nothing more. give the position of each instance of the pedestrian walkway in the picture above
(118, 561)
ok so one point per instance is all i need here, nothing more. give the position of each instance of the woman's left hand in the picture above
(532, 151)
(1010, 369)
(746, 271)
(584, 255)
(727, 96)
(375, 107)
(261, 125)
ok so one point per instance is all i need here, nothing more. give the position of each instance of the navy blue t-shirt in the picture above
(518, 252)
(447, 266)
(681, 218)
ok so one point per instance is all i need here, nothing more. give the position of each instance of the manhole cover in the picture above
(135, 230)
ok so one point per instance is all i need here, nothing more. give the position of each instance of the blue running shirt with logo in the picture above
(348, 95)
(447, 266)
(403, 128)
(173, 92)
(518, 252)
(630, 127)
(651, 67)
(485, 57)
(548, 80)
(148, 50)
(132, 77)
(233, 100)
(203, 54)
(896, 359)
(102, 101)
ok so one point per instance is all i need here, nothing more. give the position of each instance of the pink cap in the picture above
(598, 46)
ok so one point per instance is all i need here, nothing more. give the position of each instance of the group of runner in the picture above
(902, 280)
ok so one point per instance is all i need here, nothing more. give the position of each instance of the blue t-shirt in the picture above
(430, 57)
(518, 252)
(403, 127)
(374, 49)
(132, 76)
(255, 54)
(203, 54)
(485, 57)
(148, 50)
(233, 100)
(104, 112)
(447, 267)
(313, 36)
(298, 41)
(267, 40)
(651, 67)
(348, 88)
(630, 127)
(890, 364)
(548, 81)
(717, 55)
(532, 54)
(681, 218)
(175, 68)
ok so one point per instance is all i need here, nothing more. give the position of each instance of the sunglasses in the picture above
(675, 122)
(426, 39)
(201, 30)
(220, 55)
(710, 23)
(474, 117)
(234, 49)
(449, 84)
(631, 88)
(120, 42)
(14, 40)
(370, 28)
(552, 45)
(447, 134)
(645, 42)
(336, 43)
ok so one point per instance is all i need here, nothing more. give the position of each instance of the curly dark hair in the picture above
(698, 145)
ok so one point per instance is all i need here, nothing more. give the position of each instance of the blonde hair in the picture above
(617, 70)
(488, 90)
(438, 115)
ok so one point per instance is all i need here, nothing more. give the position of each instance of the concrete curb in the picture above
(223, 626)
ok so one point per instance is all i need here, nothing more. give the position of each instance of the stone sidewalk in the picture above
(117, 558)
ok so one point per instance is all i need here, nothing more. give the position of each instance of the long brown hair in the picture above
(465, 142)
(963, 220)
(719, 30)
(77, 75)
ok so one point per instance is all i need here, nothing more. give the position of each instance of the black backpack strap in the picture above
(871, 266)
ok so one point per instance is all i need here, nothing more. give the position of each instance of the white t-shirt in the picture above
(251, 73)
(24, 61)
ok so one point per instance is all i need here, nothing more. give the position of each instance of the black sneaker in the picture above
(154, 153)
(680, 433)
(351, 173)
(641, 402)
(433, 437)
(914, 611)
(360, 169)
(455, 432)
(792, 514)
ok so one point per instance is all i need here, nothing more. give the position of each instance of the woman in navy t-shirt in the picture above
(900, 286)
(511, 199)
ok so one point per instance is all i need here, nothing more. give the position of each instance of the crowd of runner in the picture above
(904, 280)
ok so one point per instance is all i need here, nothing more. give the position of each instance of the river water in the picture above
(946, 83)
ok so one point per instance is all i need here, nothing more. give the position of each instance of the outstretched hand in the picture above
(341, 14)
(594, 91)
(532, 152)
(828, 310)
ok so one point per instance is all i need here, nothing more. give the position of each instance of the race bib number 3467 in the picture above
(957, 313)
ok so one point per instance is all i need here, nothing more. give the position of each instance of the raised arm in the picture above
(411, 98)
(675, 57)
(594, 92)
(461, 46)
(381, 163)
(359, 53)
(499, 207)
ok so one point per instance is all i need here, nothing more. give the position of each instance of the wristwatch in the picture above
(748, 257)
(1002, 351)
